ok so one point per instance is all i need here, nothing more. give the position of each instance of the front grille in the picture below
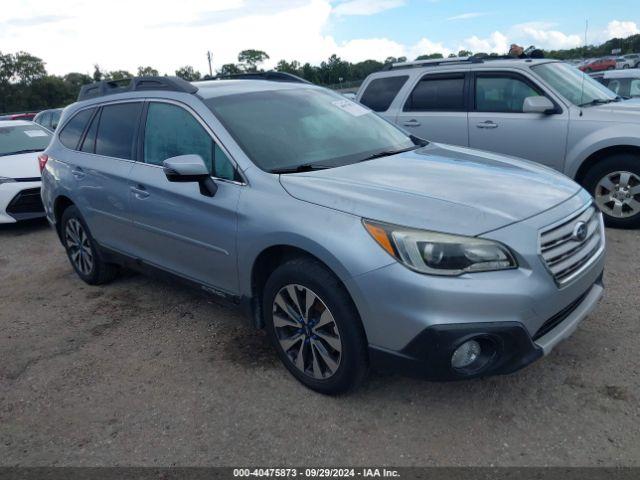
(564, 252)
(27, 201)
(559, 317)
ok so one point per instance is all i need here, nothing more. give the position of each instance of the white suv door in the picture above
(498, 124)
(435, 109)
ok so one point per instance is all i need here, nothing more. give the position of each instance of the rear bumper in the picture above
(20, 201)
(510, 345)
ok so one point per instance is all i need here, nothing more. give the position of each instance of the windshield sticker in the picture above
(351, 107)
(36, 133)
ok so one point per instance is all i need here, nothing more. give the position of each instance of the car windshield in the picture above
(17, 139)
(305, 127)
(574, 85)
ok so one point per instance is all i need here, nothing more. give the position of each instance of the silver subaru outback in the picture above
(353, 243)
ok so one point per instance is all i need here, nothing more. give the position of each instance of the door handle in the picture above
(487, 124)
(411, 123)
(140, 192)
(78, 173)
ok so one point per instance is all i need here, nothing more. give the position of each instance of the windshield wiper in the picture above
(30, 150)
(305, 167)
(387, 153)
(598, 101)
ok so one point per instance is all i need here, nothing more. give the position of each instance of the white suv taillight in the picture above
(42, 161)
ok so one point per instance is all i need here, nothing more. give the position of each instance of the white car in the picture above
(628, 61)
(20, 143)
(625, 83)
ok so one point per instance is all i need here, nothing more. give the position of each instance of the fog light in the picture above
(466, 354)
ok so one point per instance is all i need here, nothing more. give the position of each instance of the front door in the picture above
(498, 124)
(179, 229)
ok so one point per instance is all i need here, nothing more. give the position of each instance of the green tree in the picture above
(430, 56)
(465, 53)
(293, 67)
(229, 69)
(118, 75)
(188, 73)
(147, 72)
(250, 59)
(97, 73)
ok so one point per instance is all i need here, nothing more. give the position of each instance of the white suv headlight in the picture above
(440, 253)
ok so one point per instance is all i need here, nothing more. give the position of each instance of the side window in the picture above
(89, 142)
(634, 89)
(55, 118)
(170, 131)
(437, 93)
(72, 131)
(381, 92)
(117, 130)
(45, 120)
(502, 93)
(614, 86)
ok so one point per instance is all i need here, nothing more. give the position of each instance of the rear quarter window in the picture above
(117, 130)
(70, 134)
(380, 92)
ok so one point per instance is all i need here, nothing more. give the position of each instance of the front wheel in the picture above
(315, 327)
(614, 182)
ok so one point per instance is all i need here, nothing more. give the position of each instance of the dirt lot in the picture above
(141, 372)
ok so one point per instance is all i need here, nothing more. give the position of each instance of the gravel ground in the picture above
(141, 372)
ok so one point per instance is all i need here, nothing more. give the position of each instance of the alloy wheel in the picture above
(307, 331)
(78, 246)
(618, 194)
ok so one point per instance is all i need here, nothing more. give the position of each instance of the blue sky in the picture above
(74, 35)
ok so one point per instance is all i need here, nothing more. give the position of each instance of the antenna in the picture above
(584, 51)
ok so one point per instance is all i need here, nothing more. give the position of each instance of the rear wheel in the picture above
(82, 250)
(615, 184)
(315, 327)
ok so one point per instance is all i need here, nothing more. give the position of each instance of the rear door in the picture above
(498, 124)
(102, 172)
(435, 109)
(177, 228)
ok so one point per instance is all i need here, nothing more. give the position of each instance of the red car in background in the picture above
(19, 116)
(599, 65)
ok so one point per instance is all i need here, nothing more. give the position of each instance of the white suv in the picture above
(542, 110)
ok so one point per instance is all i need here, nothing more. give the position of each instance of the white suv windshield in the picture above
(290, 128)
(577, 87)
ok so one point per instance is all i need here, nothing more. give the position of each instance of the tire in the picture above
(311, 339)
(628, 193)
(625, 66)
(86, 259)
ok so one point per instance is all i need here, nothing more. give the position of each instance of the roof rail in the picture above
(436, 62)
(271, 75)
(433, 62)
(135, 84)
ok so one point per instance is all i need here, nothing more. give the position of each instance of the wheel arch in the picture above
(602, 153)
(272, 257)
(61, 203)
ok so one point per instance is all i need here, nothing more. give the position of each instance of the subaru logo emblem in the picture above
(580, 232)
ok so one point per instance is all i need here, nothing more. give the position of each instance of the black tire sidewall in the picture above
(614, 163)
(311, 274)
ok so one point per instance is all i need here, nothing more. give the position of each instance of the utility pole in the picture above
(209, 57)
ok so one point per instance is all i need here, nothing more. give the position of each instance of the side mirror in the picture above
(190, 168)
(538, 104)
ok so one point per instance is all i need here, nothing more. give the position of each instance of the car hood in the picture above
(24, 165)
(439, 187)
(625, 111)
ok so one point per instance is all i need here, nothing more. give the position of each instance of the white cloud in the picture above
(467, 16)
(542, 35)
(366, 7)
(426, 47)
(497, 42)
(618, 29)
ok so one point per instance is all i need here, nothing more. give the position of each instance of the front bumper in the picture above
(20, 201)
(512, 347)
(413, 321)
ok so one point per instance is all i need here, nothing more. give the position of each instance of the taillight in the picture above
(42, 161)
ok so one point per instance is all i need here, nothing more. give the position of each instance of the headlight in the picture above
(440, 253)
(6, 180)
